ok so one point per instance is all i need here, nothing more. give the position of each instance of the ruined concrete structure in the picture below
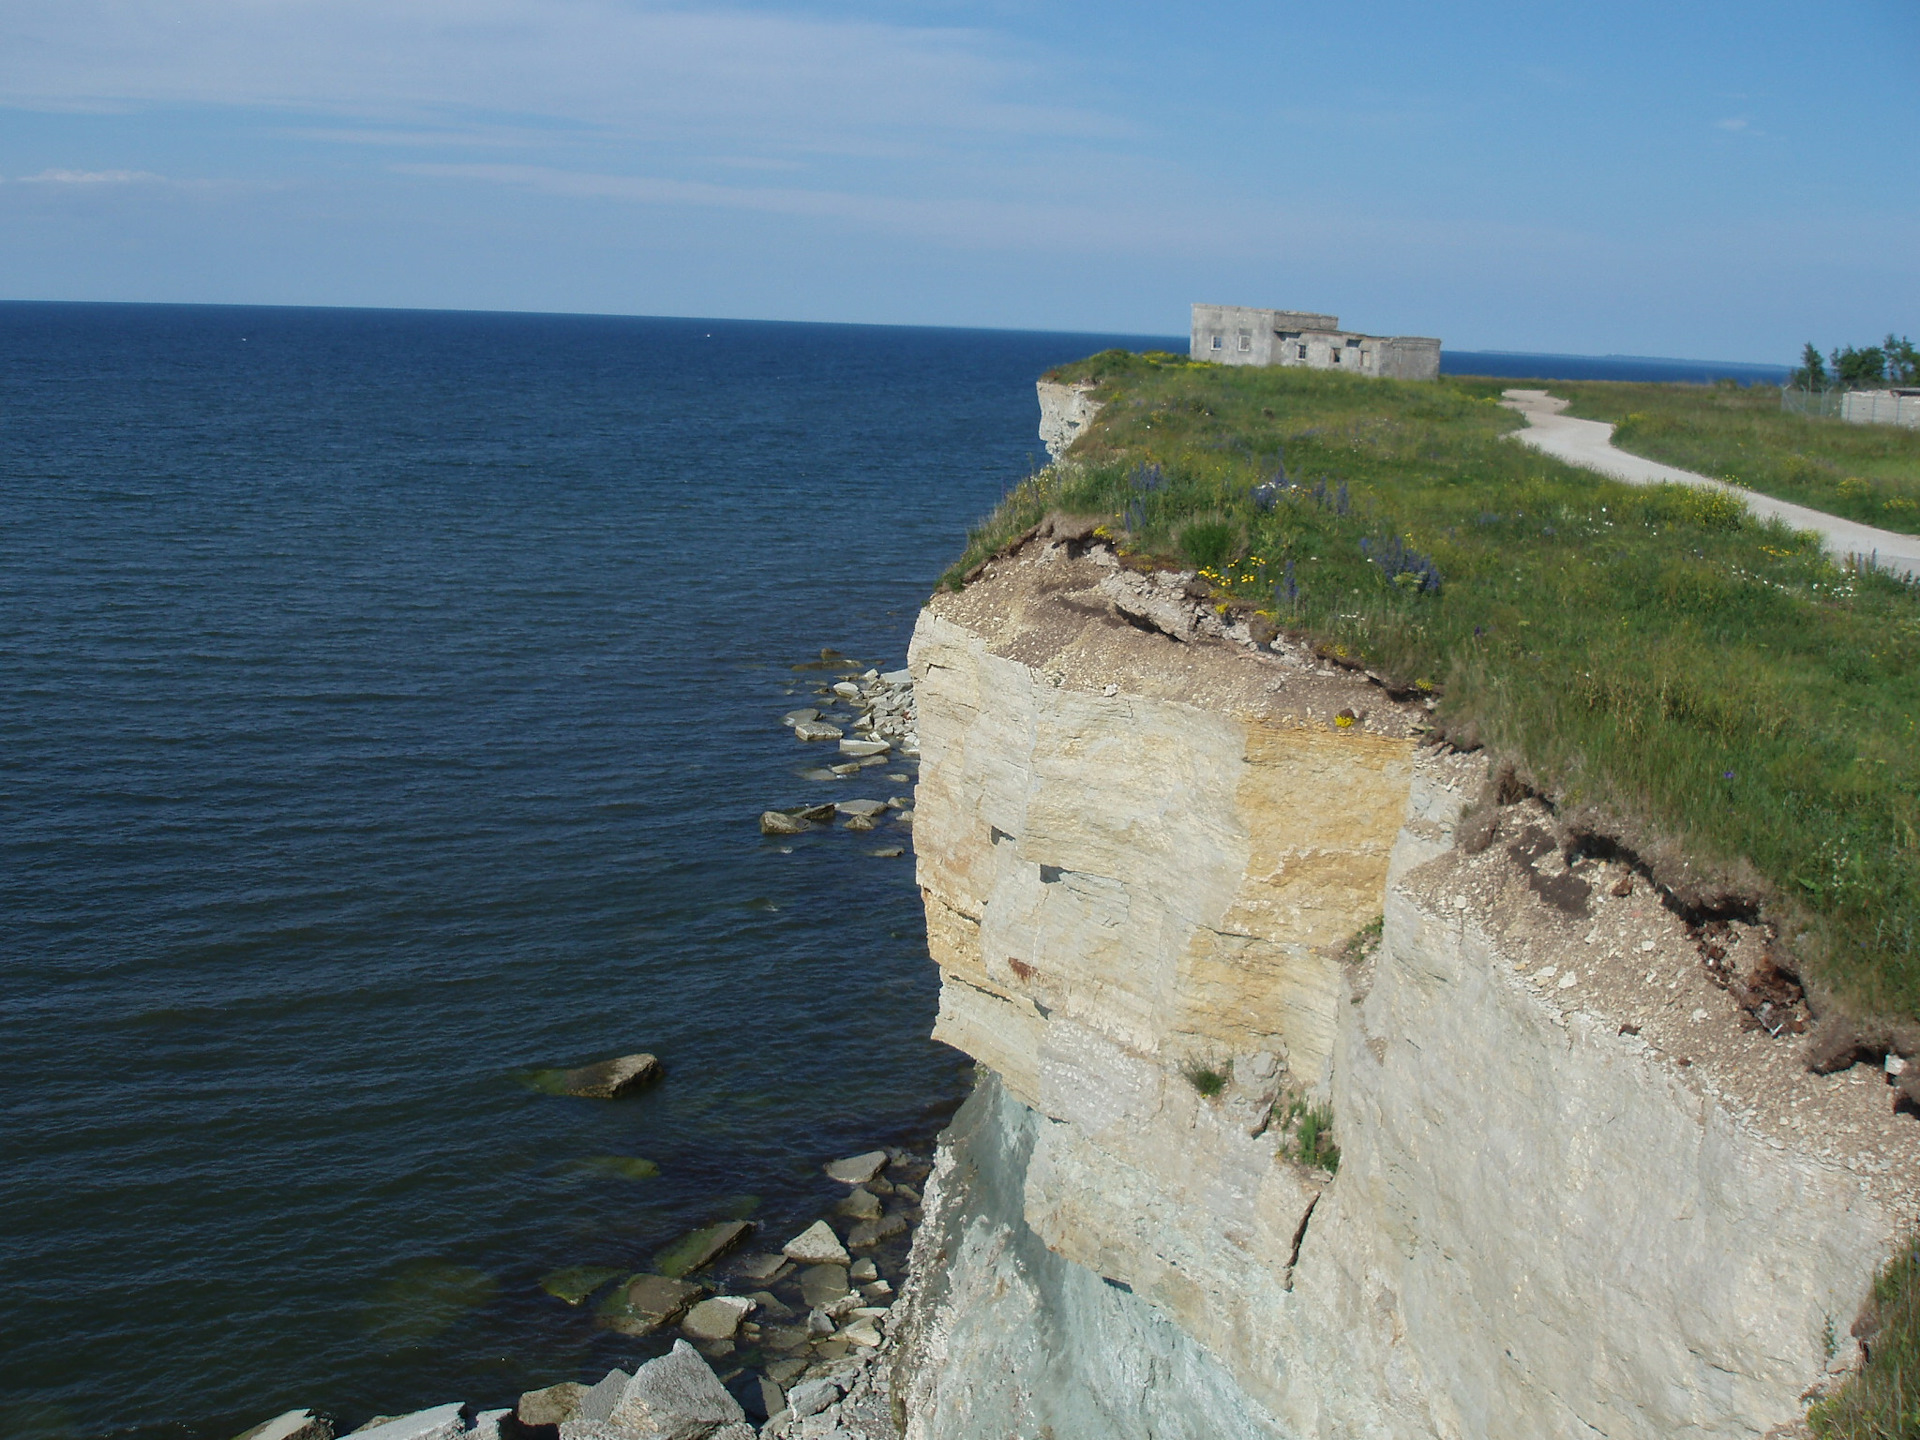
(1243, 335)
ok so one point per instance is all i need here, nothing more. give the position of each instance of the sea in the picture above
(387, 701)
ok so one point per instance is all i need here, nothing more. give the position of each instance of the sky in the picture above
(1702, 179)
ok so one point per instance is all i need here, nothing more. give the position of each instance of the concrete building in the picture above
(1898, 406)
(1242, 335)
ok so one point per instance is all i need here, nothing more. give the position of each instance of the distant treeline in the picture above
(1893, 361)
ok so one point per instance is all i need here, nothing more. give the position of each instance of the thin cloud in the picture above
(636, 69)
(93, 177)
(967, 221)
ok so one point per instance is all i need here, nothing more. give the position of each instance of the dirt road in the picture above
(1589, 443)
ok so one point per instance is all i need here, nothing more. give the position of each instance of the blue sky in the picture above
(1704, 179)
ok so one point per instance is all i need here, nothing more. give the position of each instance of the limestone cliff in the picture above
(1065, 410)
(1580, 1189)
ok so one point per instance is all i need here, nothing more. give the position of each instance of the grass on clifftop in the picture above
(1869, 473)
(1653, 653)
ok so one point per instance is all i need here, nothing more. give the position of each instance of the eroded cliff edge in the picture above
(1578, 1194)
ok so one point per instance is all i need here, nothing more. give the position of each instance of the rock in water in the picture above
(866, 808)
(701, 1248)
(865, 747)
(869, 1233)
(716, 1319)
(677, 1397)
(799, 717)
(775, 822)
(610, 1078)
(822, 813)
(861, 1204)
(815, 730)
(760, 1268)
(575, 1283)
(817, 1245)
(647, 1303)
(822, 1285)
(858, 1169)
(443, 1422)
(294, 1425)
(552, 1405)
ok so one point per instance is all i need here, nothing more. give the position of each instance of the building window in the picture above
(1246, 341)
(1336, 357)
(1217, 343)
(1303, 351)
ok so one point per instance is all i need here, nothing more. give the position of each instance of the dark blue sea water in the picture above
(386, 704)
(1520, 365)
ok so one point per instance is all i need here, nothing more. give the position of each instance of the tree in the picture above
(1812, 374)
(1860, 369)
(1903, 361)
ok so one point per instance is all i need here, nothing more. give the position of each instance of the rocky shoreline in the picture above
(785, 1344)
(869, 717)
(779, 1344)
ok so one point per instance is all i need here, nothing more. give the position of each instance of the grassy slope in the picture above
(1869, 473)
(1882, 1402)
(1651, 652)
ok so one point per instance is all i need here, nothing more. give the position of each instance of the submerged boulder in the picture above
(607, 1079)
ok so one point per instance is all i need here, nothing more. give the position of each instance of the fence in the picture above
(1811, 402)
(1861, 407)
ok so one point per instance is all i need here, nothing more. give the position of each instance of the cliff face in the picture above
(1574, 1195)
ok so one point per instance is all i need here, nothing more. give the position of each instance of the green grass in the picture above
(1205, 1079)
(1869, 473)
(1705, 681)
(1882, 1402)
(1307, 1133)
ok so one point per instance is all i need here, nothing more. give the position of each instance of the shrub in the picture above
(1204, 1078)
(1307, 1133)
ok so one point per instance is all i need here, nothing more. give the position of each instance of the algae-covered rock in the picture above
(424, 1298)
(701, 1248)
(575, 1283)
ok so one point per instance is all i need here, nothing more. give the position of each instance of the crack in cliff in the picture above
(1299, 1238)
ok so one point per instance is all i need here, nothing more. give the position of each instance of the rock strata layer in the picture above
(1194, 898)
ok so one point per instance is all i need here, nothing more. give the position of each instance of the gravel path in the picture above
(1589, 443)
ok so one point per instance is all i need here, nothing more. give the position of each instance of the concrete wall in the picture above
(1882, 407)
